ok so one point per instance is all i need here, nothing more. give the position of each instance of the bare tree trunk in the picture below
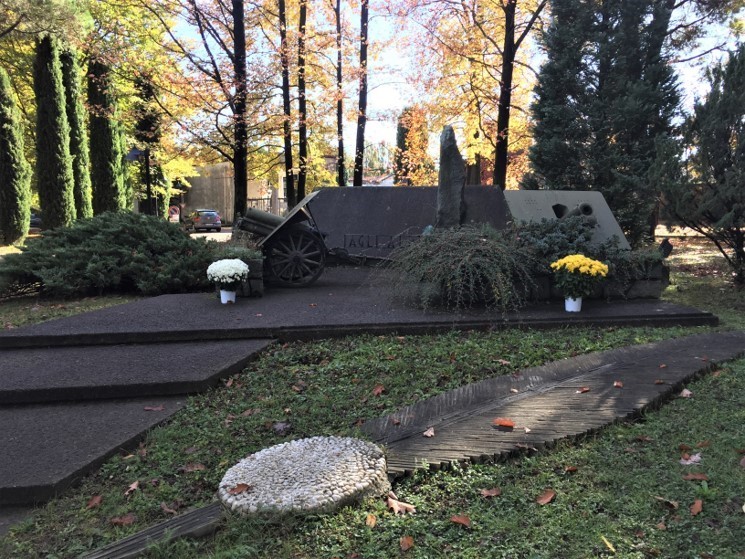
(505, 95)
(240, 180)
(302, 104)
(287, 129)
(359, 152)
(340, 170)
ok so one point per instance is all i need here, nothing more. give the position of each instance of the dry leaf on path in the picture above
(504, 422)
(697, 507)
(132, 488)
(461, 519)
(429, 432)
(371, 520)
(546, 497)
(406, 543)
(617, 384)
(240, 488)
(94, 502)
(583, 390)
(125, 520)
(659, 381)
(154, 408)
(493, 492)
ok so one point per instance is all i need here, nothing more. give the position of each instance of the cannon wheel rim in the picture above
(295, 256)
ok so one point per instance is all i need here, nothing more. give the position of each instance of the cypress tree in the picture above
(605, 94)
(15, 173)
(78, 135)
(106, 143)
(53, 162)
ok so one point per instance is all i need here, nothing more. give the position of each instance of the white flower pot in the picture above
(227, 296)
(573, 305)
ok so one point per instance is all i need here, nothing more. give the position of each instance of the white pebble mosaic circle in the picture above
(306, 475)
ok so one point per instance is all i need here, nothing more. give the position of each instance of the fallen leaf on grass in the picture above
(608, 544)
(461, 519)
(742, 462)
(583, 390)
(546, 497)
(697, 507)
(668, 503)
(154, 408)
(504, 422)
(696, 477)
(125, 520)
(94, 502)
(371, 520)
(644, 439)
(661, 526)
(503, 362)
(240, 488)
(399, 507)
(570, 469)
(618, 384)
(192, 467)
(493, 492)
(684, 447)
(378, 390)
(132, 488)
(165, 508)
(703, 444)
(685, 393)
(429, 432)
(691, 460)
(406, 543)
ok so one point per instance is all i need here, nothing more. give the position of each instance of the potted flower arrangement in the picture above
(577, 275)
(228, 274)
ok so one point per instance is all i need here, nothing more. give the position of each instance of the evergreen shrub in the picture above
(117, 252)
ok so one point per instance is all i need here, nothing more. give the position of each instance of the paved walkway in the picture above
(76, 390)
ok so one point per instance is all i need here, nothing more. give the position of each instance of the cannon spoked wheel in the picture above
(294, 256)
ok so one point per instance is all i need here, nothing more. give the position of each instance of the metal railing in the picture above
(265, 204)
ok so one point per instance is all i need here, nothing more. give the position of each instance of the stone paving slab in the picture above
(549, 401)
(48, 447)
(37, 375)
(344, 301)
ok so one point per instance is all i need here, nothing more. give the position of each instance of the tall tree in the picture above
(78, 134)
(286, 107)
(412, 165)
(625, 96)
(240, 134)
(709, 196)
(147, 132)
(15, 173)
(302, 102)
(341, 174)
(54, 174)
(359, 150)
(106, 142)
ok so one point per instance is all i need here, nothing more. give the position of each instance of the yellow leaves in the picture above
(608, 544)
(371, 520)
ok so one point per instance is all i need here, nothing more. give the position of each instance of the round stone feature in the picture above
(306, 475)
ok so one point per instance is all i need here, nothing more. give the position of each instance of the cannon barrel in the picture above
(584, 209)
(258, 222)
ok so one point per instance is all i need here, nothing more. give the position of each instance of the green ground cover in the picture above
(616, 490)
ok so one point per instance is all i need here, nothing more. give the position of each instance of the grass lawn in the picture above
(619, 493)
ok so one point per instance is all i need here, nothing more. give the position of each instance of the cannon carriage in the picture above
(293, 248)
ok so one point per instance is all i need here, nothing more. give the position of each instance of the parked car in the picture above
(203, 220)
(35, 222)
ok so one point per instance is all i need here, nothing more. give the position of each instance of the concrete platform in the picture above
(344, 301)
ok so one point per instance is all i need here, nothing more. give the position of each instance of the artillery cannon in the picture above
(293, 248)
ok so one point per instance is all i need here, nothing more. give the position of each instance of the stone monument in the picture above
(451, 207)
